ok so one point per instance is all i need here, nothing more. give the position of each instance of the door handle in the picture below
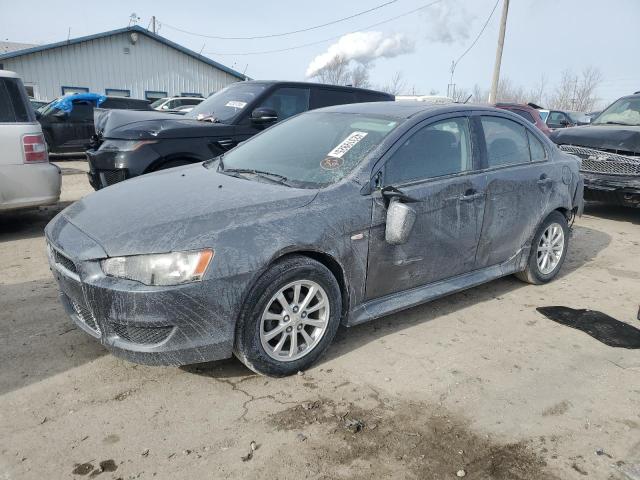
(544, 180)
(470, 196)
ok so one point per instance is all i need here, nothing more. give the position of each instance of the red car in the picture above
(527, 112)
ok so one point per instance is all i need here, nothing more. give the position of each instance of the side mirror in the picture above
(400, 220)
(38, 114)
(263, 116)
(564, 123)
(60, 115)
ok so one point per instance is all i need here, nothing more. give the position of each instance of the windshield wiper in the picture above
(274, 177)
(617, 123)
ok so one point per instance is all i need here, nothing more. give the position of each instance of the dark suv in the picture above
(129, 144)
(609, 148)
(67, 123)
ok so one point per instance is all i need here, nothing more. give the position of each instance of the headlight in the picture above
(125, 145)
(160, 269)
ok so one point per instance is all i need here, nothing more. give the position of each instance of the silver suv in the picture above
(27, 179)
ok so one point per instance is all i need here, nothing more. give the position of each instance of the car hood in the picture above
(178, 209)
(145, 125)
(602, 137)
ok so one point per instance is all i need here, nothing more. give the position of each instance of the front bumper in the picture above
(617, 189)
(108, 167)
(29, 185)
(175, 325)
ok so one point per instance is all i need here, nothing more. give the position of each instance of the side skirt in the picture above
(396, 302)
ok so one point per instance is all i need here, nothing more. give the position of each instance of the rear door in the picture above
(81, 127)
(519, 183)
(436, 164)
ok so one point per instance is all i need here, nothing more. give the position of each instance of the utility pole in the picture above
(496, 68)
(153, 24)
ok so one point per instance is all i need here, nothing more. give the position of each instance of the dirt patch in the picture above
(406, 439)
(557, 409)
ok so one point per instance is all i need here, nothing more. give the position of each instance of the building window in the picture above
(190, 94)
(30, 91)
(67, 90)
(117, 92)
(154, 95)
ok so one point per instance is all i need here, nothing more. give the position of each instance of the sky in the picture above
(543, 37)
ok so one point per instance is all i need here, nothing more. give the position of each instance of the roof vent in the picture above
(126, 50)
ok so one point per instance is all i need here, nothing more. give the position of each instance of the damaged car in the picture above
(129, 144)
(609, 148)
(334, 216)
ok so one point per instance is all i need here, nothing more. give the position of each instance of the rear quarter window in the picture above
(13, 107)
(325, 97)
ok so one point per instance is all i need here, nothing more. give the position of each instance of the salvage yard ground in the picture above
(478, 381)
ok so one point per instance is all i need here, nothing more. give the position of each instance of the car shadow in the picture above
(588, 243)
(23, 224)
(612, 212)
(37, 338)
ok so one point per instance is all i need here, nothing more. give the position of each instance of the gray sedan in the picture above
(335, 216)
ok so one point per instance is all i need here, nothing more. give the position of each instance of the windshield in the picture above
(158, 102)
(224, 105)
(311, 150)
(578, 117)
(625, 111)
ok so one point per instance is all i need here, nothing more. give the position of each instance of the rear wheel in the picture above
(289, 318)
(548, 250)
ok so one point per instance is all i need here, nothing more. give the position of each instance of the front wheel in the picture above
(548, 250)
(289, 317)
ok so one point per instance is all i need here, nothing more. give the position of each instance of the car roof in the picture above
(405, 108)
(8, 74)
(313, 84)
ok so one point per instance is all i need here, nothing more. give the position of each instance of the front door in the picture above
(435, 164)
(519, 185)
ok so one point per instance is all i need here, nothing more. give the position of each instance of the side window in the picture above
(524, 114)
(538, 152)
(12, 102)
(288, 101)
(81, 112)
(555, 119)
(442, 148)
(506, 141)
(325, 97)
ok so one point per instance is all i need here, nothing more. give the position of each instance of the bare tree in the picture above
(396, 85)
(461, 95)
(360, 76)
(577, 92)
(537, 93)
(336, 72)
(479, 95)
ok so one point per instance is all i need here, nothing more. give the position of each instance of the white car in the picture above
(172, 103)
(27, 179)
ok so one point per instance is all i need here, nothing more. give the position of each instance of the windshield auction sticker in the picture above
(235, 104)
(347, 144)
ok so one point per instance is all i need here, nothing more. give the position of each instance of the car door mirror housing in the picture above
(262, 116)
(400, 220)
(60, 115)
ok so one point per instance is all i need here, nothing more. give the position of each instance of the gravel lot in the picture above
(478, 381)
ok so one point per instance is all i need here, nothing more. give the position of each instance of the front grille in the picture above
(85, 315)
(63, 260)
(110, 177)
(599, 161)
(142, 335)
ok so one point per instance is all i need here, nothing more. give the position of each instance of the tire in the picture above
(263, 314)
(172, 164)
(536, 273)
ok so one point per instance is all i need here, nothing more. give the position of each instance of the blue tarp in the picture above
(66, 103)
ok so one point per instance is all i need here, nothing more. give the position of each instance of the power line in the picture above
(283, 34)
(479, 34)
(326, 39)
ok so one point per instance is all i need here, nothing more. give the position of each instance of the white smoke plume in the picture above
(448, 22)
(362, 47)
